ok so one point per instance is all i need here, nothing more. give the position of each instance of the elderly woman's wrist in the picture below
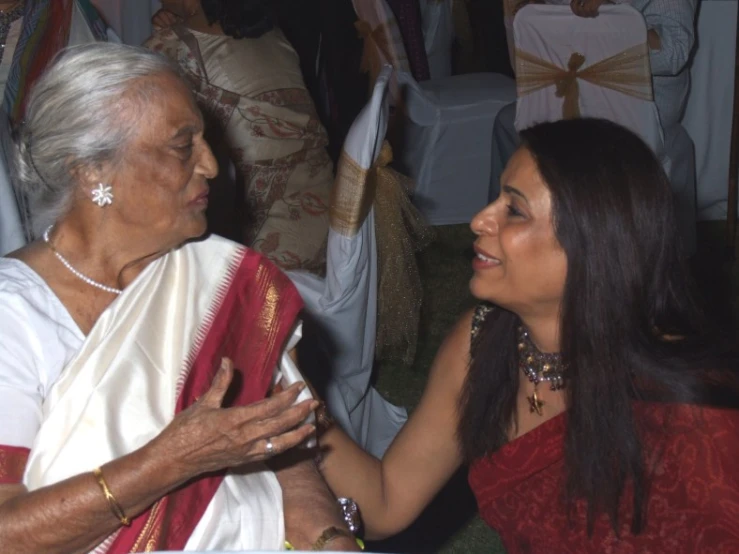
(168, 465)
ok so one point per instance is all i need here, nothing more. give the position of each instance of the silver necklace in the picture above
(538, 367)
(66, 263)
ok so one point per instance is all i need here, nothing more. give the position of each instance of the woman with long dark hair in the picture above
(597, 409)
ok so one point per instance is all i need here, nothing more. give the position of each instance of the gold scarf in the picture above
(626, 72)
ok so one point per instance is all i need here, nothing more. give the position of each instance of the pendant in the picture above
(535, 404)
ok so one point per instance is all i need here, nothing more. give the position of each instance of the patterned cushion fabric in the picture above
(252, 92)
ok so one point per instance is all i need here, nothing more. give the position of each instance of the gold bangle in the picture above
(331, 534)
(112, 502)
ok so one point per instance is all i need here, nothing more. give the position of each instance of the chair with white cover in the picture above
(445, 139)
(341, 310)
(12, 235)
(447, 142)
(438, 35)
(569, 66)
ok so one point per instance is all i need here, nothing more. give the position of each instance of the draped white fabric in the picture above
(710, 104)
(343, 306)
(131, 19)
(121, 388)
(438, 36)
(447, 139)
(554, 33)
(11, 229)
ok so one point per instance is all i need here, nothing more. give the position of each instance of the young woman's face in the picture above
(519, 264)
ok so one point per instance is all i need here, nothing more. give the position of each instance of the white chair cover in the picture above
(438, 36)
(343, 306)
(447, 141)
(554, 33)
(12, 235)
(131, 19)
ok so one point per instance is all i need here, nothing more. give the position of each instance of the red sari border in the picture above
(251, 326)
(12, 464)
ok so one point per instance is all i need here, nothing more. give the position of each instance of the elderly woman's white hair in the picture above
(81, 114)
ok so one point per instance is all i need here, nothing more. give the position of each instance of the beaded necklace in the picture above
(76, 273)
(539, 366)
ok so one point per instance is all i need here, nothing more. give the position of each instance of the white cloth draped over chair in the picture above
(438, 35)
(445, 140)
(612, 80)
(341, 310)
(12, 235)
(131, 19)
(569, 66)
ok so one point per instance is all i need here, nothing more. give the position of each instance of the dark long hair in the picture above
(241, 18)
(627, 289)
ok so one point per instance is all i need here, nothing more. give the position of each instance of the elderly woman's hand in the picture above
(207, 437)
(164, 19)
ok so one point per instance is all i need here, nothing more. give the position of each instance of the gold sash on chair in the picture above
(400, 232)
(627, 72)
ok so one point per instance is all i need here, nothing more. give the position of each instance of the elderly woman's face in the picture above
(161, 187)
(519, 264)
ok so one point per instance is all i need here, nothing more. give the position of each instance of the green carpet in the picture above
(450, 525)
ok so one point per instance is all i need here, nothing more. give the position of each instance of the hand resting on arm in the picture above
(74, 516)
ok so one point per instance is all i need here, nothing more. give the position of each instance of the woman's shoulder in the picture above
(16, 277)
(27, 303)
(453, 356)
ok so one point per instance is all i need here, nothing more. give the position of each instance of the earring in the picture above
(102, 195)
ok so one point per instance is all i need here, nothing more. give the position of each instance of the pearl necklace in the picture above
(66, 263)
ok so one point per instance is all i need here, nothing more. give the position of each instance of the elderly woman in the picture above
(246, 77)
(578, 389)
(135, 362)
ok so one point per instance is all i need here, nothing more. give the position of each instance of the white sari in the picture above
(150, 355)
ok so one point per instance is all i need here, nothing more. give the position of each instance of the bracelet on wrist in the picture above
(115, 507)
(329, 534)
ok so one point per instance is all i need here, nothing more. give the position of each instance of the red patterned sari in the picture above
(693, 502)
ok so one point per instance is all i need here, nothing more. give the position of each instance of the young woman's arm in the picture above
(392, 492)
